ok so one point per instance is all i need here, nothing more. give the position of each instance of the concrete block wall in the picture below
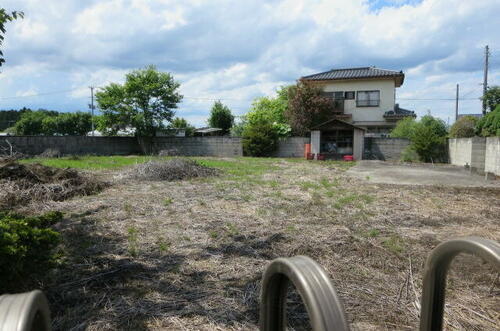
(66, 145)
(385, 149)
(196, 146)
(468, 152)
(292, 147)
(492, 155)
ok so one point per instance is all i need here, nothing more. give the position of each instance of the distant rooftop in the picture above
(473, 115)
(357, 73)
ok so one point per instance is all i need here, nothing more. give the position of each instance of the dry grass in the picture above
(133, 261)
(22, 184)
(170, 170)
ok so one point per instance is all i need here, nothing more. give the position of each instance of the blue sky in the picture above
(238, 50)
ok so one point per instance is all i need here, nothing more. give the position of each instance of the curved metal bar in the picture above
(436, 269)
(24, 312)
(315, 288)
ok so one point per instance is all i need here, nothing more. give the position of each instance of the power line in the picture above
(39, 94)
(436, 99)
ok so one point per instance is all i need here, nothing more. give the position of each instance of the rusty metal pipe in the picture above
(436, 269)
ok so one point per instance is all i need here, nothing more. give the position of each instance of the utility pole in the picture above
(456, 104)
(91, 106)
(485, 82)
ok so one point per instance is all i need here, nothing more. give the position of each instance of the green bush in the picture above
(464, 127)
(409, 155)
(26, 247)
(427, 137)
(429, 145)
(404, 128)
(489, 125)
(260, 139)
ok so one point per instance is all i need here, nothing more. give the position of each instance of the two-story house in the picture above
(364, 104)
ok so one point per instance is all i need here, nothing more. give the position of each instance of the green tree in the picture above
(272, 110)
(181, 123)
(144, 102)
(428, 144)
(260, 139)
(8, 118)
(404, 128)
(307, 108)
(464, 127)
(492, 97)
(221, 117)
(489, 125)
(4, 18)
(67, 124)
(31, 123)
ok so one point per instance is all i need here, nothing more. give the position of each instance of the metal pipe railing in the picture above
(436, 269)
(30, 311)
(315, 288)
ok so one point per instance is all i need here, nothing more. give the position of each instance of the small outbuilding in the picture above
(336, 138)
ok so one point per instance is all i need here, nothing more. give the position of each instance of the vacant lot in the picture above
(189, 254)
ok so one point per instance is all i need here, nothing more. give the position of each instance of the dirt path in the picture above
(189, 255)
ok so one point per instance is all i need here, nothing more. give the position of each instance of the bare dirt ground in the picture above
(189, 255)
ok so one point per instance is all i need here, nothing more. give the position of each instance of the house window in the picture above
(338, 95)
(349, 95)
(368, 99)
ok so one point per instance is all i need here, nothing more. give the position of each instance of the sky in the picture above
(235, 51)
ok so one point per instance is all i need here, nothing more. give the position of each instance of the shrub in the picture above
(26, 247)
(260, 139)
(464, 127)
(427, 136)
(409, 155)
(428, 144)
(489, 125)
(404, 128)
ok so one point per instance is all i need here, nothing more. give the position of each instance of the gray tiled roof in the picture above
(354, 73)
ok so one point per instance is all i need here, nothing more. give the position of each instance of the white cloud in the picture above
(235, 51)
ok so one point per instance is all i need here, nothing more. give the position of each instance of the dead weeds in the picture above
(195, 262)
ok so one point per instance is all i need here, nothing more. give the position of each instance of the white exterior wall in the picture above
(358, 144)
(315, 141)
(492, 157)
(366, 115)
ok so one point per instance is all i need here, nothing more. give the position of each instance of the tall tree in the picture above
(4, 18)
(306, 108)
(145, 102)
(221, 117)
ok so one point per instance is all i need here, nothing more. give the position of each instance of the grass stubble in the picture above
(190, 254)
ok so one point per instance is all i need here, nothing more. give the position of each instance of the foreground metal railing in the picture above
(29, 311)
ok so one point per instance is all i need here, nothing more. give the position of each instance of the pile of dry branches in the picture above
(22, 183)
(174, 169)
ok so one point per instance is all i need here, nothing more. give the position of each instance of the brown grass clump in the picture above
(22, 183)
(175, 169)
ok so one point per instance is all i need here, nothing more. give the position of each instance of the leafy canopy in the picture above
(404, 128)
(181, 123)
(52, 123)
(221, 117)
(145, 102)
(464, 127)
(427, 137)
(307, 108)
(492, 97)
(260, 139)
(489, 125)
(4, 18)
(271, 110)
